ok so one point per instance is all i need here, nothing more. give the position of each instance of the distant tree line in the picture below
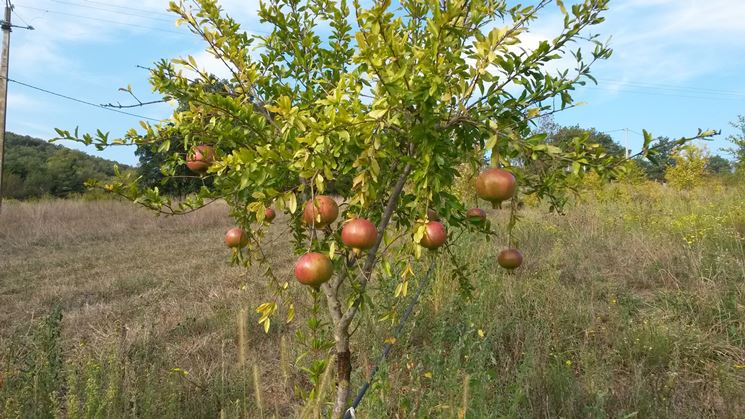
(35, 168)
(653, 169)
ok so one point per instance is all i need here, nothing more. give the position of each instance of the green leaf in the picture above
(647, 140)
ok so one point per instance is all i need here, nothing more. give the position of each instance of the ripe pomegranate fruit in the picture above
(200, 158)
(510, 258)
(495, 185)
(236, 238)
(313, 269)
(432, 215)
(320, 213)
(269, 215)
(476, 215)
(434, 235)
(359, 233)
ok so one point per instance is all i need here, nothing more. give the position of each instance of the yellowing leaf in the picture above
(290, 313)
(359, 179)
(491, 142)
(377, 113)
(319, 183)
(419, 233)
(291, 202)
(332, 250)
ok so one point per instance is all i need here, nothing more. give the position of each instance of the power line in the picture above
(151, 11)
(118, 12)
(103, 20)
(21, 18)
(81, 100)
(130, 8)
(647, 92)
(663, 86)
(635, 132)
(124, 23)
(621, 129)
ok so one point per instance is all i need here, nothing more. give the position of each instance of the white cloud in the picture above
(212, 65)
(656, 41)
(20, 101)
(672, 40)
(32, 129)
(62, 25)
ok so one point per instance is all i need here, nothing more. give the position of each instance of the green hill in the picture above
(35, 168)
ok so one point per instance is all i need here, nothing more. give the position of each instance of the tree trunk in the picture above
(342, 320)
(343, 372)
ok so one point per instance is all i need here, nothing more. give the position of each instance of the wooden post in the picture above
(6, 27)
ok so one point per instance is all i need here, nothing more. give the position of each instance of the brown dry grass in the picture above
(629, 303)
(128, 279)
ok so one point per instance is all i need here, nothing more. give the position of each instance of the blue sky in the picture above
(678, 65)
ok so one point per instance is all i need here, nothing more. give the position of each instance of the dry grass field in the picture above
(630, 305)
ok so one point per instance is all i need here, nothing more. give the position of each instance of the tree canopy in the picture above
(718, 165)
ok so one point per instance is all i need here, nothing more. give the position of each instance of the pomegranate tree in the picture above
(391, 104)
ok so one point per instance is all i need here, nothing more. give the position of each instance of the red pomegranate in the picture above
(359, 233)
(476, 215)
(320, 212)
(495, 185)
(434, 235)
(313, 269)
(200, 158)
(236, 238)
(269, 215)
(510, 258)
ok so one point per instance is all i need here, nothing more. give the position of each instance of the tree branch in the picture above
(372, 253)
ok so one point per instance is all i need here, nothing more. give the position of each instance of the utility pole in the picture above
(6, 26)
(626, 142)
